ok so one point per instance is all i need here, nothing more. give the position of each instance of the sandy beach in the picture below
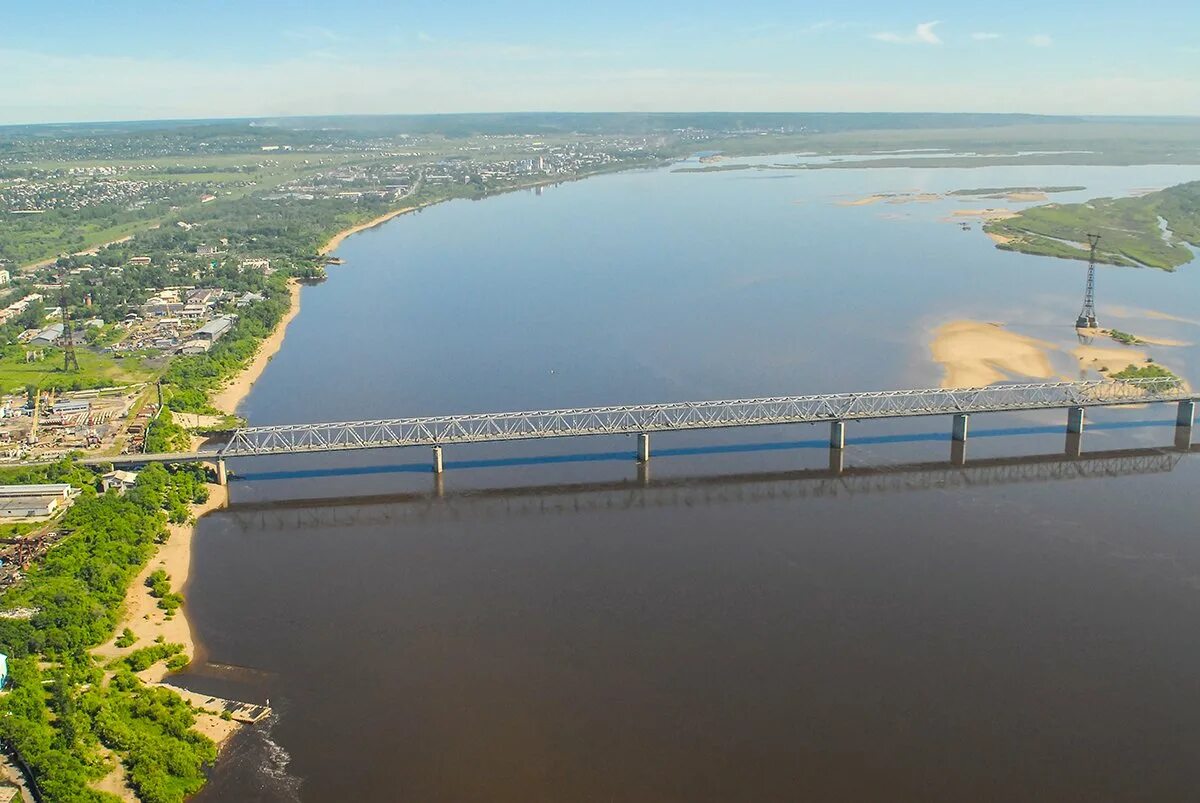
(984, 214)
(974, 354)
(894, 198)
(1111, 358)
(338, 238)
(148, 622)
(870, 199)
(230, 396)
(142, 614)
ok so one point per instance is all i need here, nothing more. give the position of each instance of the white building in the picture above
(119, 480)
(34, 501)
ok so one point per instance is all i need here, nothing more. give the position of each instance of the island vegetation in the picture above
(1148, 371)
(1125, 338)
(1152, 230)
(1001, 192)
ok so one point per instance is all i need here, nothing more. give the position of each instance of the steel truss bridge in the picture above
(641, 419)
(620, 495)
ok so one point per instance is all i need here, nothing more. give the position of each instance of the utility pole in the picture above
(1087, 315)
(70, 362)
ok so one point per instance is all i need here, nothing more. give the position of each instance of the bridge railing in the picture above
(646, 418)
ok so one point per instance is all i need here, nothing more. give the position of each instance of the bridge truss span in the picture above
(647, 418)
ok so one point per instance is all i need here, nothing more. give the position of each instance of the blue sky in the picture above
(126, 59)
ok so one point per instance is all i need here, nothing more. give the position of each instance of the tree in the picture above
(33, 315)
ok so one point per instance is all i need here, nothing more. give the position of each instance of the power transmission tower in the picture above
(70, 362)
(1087, 315)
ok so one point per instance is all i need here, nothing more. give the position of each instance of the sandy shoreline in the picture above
(231, 395)
(147, 621)
(340, 237)
(142, 614)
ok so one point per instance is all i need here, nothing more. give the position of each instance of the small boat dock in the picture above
(247, 713)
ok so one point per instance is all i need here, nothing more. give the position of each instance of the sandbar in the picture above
(1112, 358)
(870, 199)
(985, 214)
(975, 354)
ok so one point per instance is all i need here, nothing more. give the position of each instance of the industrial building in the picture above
(48, 336)
(34, 501)
(212, 330)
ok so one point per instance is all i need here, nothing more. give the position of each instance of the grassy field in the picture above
(95, 370)
(1093, 143)
(1129, 228)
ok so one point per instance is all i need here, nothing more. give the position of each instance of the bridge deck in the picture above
(647, 418)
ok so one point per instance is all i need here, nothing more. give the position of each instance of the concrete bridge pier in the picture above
(1183, 438)
(643, 448)
(837, 434)
(837, 460)
(958, 452)
(222, 474)
(1184, 419)
(1074, 444)
(959, 432)
(1186, 415)
(643, 474)
(1075, 420)
(437, 460)
(439, 485)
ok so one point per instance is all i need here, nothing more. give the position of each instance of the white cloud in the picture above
(1041, 40)
(923, 34)
(984, 36)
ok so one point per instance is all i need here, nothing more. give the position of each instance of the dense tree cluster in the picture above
(59, 710)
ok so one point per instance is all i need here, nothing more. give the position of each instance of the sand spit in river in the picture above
(975, 353)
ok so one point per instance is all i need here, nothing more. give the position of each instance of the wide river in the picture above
(734, 622)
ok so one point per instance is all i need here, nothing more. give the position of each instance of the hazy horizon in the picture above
(131, 61)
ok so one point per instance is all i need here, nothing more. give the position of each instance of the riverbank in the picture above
(148, 622)
(232, 393)
(341, 236)
(142, 614)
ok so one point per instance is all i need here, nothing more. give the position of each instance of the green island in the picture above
(1148, 371)
(1152, 230)
(1000, 192)
(1124, 338)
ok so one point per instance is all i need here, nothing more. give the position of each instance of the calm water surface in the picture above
(548, 622)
